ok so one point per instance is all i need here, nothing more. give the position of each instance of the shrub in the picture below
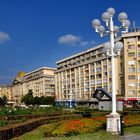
(3, 123)
(86, 114)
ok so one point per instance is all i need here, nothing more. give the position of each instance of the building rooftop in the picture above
(132, 32)
(47, 68)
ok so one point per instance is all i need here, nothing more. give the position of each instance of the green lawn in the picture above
(133, 129)
(39, 134)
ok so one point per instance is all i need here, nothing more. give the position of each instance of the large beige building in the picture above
(7, 91)
(78, 76)
(17, 86)
(40, 81)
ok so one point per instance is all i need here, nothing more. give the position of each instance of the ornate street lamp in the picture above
(112, 49)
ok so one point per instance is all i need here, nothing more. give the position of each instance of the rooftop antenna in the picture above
(134, 26)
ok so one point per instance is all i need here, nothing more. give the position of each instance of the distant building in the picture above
(78, 76)
(17, 86)
(7, 91)
(40, 81)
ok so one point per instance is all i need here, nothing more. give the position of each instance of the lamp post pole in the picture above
(113, 67)
(112, 50)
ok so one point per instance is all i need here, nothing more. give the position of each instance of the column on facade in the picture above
(60, 94)
(137, 74)
(56, 85)
(89, 81)
(62, 86)
(83, 83)
(75, 89)
(79, 96)
(95, 75)
(66, 88)
(43, 86)
(70, 91)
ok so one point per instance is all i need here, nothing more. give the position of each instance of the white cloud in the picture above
(4, 37)
(87, 43)
(73, 40)
(69, 39)
(93, 42)
(84, 43)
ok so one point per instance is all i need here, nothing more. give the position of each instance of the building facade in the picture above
(78, 76)
(40, 81)
(6, 91)
(17, 86)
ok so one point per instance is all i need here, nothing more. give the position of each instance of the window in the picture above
(131, 77)
(98, 76)
(98, 69)
(138, 62)
(138, 54)
(105, 81)
(138, 46)
(131, 47)
(98, 63)
(98, 81)
(92, 64)
(138, 69)
(105, 87)
(131, 92)
(131, 62)
(131, 84)
(138, 77)
(131, 54)
(92, 71)
(131, 39)
(92, 76)
(129, 102)
(131, 69)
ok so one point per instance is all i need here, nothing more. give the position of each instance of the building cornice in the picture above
(47, 68)
(86, 51)
(131, 34)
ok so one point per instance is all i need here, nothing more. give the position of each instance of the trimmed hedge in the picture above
(15, 130)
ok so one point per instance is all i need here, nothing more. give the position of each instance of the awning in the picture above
(131, 99)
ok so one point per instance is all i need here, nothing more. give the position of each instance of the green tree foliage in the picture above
(50, 100)
(28, 99)
(3, 101)
(36, 100)
(4, 98)
(47, 100)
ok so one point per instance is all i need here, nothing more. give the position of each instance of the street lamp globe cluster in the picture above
(112, 49)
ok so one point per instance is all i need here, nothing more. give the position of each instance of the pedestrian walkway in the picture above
(130, 137)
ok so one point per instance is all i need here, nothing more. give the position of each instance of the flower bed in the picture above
(74, 127)
(131, 120)
(89, 125)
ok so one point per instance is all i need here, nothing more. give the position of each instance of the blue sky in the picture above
(36, 33)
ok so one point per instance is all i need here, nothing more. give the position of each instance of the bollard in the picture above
(122, 125)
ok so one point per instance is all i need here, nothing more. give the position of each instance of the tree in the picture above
(1, 102)
(36, 100)
(50, 100)
(4, 98)
(43, 101)
(28, 98)
(47, 100)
